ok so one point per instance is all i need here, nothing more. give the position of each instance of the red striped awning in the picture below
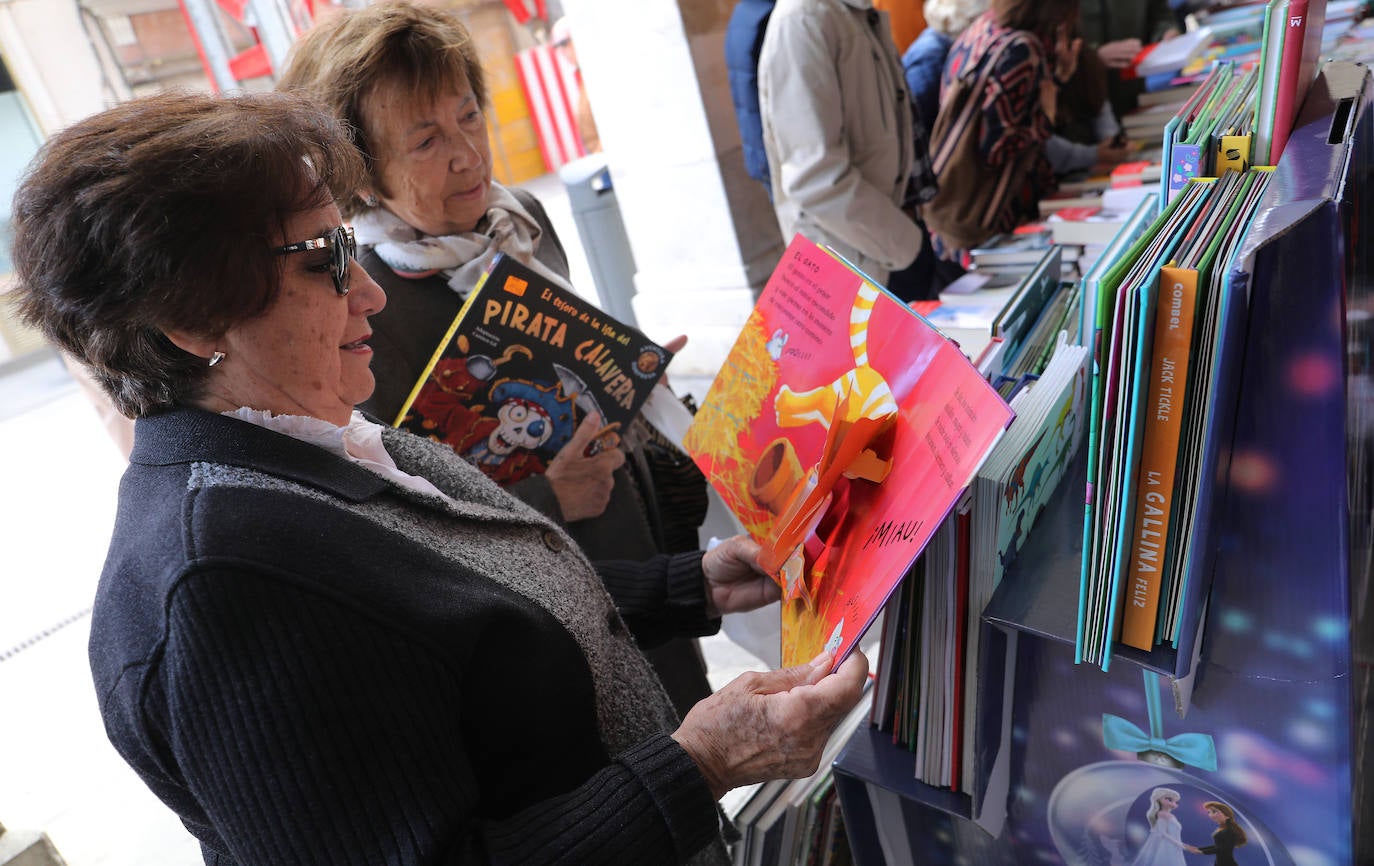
(552, 90)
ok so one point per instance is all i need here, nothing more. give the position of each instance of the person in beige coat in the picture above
(837, 128)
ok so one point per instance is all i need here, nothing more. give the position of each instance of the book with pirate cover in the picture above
(522, 364)
(840, 431)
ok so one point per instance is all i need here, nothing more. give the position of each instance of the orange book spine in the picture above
(1159, 453)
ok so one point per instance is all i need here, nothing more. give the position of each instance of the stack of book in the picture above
(1116, 191)
(991, 325)
(919, 699)
(1135, 223)
(1084, 231)
(1168, 57)
(1283, 40)
(1292, 42)
(1353, 40)
(1157, 313)
(1232, 36)
(1138, 172)
(1236, 34)
(1244, 22)
(1003, 260)
(1089, 226)
(1070, 196)
(1147, 121)
(1211, 133)
(926, 697)
(1174, 94)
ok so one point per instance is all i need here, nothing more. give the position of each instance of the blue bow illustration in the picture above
(1195, 750)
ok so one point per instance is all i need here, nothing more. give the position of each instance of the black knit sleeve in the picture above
(615, 818)
(311, 732)
(661, 598)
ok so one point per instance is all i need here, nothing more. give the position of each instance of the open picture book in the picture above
(840, 431)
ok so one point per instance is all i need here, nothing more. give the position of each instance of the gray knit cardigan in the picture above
(311, 664)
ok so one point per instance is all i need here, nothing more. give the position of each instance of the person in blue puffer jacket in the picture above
(743, 41)
(923, 62)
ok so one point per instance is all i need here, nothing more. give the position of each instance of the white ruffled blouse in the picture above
(360, 442)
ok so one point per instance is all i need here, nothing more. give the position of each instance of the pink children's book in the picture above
(840, 431)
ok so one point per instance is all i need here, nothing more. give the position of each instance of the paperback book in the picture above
(522, 364)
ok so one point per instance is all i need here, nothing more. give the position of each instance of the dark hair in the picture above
(1041, 17)
(419, 50)
(160, 214)
(1230, 823)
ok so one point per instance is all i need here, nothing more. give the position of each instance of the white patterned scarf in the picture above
(462, 258)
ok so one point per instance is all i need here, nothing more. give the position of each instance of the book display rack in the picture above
(1259, 726)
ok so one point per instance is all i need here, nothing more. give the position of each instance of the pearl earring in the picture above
(216, 358)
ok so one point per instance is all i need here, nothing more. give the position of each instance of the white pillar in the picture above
(51, 60)
(703, 232)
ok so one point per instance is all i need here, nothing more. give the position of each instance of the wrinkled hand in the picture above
(583, 484)
(734, 581)
(773, 725)
(1119, 54)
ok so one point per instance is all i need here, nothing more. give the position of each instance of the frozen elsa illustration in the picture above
(1164, 846)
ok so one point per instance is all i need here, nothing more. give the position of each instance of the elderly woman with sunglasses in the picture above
(408, 81)
(320, 640)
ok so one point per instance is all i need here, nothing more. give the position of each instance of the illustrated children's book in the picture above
(840, 432)
(524, 362)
